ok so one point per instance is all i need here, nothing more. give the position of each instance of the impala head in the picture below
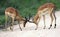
(27, 20)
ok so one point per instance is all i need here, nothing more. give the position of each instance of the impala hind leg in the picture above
(44, 21)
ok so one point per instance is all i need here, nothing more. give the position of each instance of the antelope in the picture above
(14, 15)
(47, 8)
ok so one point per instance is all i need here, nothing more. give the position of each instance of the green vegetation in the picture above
(25, 7)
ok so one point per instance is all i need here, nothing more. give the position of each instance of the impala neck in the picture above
(35, 18)
(20, 18)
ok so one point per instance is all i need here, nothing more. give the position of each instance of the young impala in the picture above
(14, 15)
(47, 8)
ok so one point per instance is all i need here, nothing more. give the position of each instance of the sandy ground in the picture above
(29, 30)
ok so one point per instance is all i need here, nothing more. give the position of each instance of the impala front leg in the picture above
(51, 20)
(11, 27)
(24, 24)
(55, 19)
(19, 25)
(36, 26)
(6, 19)
(37, 22)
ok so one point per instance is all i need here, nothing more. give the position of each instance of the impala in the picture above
(47, 8)
(14, 15)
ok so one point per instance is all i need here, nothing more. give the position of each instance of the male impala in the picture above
(47, 8)
(13, 14)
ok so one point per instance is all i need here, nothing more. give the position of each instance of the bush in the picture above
(25, 7)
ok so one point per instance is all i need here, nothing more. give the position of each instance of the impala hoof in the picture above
(44, 28)
(49, 28)
(21, 29)
(55, 26)
(11, 29)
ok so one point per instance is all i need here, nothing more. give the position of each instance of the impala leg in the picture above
(11, 27)
(19, 26)
(44, 21)
(24, 23)
(51, 20)
(37, 23)
(6, 19)
(36, 26)
(55, 19)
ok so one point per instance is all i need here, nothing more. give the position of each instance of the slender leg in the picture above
(19, 26)
(36, 26)
(24, 23)
(12, 24)
(55, 19)
(6, 20)
(10, 20)
(51, 20)
(36, 22)
(44, 21)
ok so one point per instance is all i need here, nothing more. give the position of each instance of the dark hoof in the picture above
(11, 29)
(21, 29)
(44, 28)
(55, 26)
(49, 28)
(35, 29)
